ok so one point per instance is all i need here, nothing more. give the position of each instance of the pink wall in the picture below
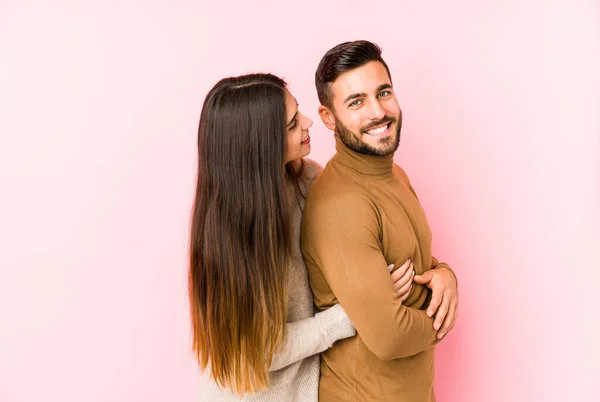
(98, 111)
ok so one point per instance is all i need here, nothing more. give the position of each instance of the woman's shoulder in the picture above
(310, 170)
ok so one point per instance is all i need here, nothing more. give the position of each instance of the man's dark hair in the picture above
(344, 57)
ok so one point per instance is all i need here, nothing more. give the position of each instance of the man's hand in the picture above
(444, 299)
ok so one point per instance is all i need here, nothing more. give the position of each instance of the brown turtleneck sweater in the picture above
(361, 214)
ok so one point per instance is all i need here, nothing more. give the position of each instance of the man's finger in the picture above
(441, 313)
(436, 299)
(424, 278)
(449, 321)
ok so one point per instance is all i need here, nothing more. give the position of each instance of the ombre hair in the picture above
(240, 234)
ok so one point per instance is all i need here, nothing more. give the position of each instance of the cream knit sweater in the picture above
(294, 372)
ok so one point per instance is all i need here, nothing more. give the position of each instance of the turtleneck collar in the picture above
(365, 164)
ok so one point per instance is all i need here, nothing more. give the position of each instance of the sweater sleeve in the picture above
(340, 242)
(312, 335)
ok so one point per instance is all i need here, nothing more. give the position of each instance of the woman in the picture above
(255, 333)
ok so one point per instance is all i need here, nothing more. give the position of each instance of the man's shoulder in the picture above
(401, 173)
(334, 178)
(335, 189)
(403, 178)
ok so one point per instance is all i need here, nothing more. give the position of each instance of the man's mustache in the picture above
(384, 120)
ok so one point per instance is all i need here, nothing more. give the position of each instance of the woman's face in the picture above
(296, 131)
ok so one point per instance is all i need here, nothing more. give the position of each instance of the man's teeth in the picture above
(305, 138)
(378, 131)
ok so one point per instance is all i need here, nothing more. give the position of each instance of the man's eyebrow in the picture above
(383, 86)
(362, 94)
(354, 96)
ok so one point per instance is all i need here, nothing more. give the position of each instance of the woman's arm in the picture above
(312, 335)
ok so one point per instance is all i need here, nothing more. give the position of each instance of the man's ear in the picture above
(327, 117)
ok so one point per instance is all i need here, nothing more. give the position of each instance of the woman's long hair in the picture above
(240, 235)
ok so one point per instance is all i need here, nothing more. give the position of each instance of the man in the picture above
(361, 212)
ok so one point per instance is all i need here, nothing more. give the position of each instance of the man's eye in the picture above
(384, 93)
(355, 103)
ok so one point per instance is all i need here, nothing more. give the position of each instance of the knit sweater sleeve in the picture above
(312, 335)
(341, 247)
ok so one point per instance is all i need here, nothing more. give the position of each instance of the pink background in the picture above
(98, 112)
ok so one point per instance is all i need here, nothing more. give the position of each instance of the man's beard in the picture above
(387, 145)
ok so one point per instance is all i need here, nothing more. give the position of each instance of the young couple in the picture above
(266, 252)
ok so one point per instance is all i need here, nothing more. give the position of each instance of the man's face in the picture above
(366, 115)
